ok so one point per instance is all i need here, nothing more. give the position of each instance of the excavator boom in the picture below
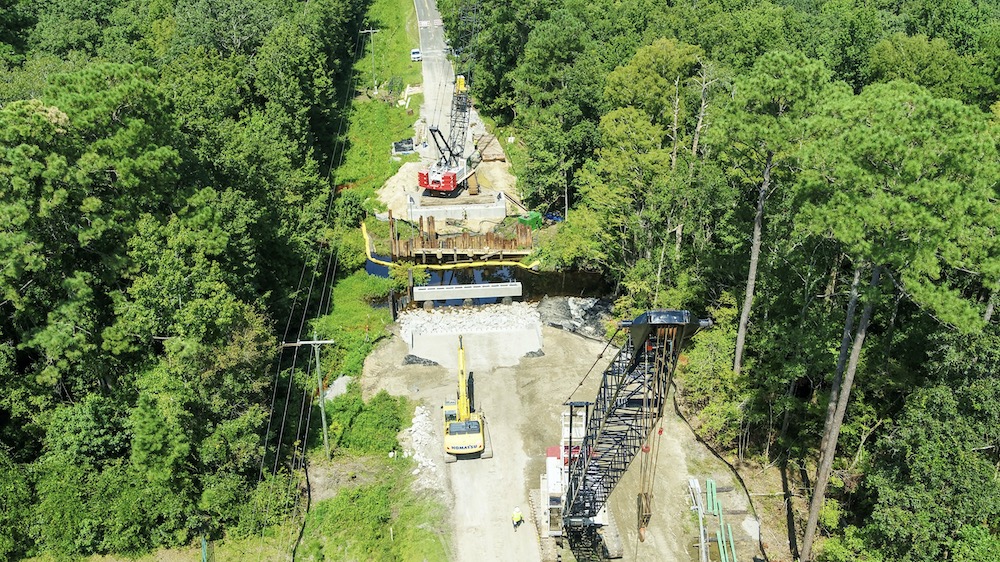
(464, 408)
(464, 428)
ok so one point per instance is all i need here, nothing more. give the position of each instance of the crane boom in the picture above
(449, 173)
(620, 421)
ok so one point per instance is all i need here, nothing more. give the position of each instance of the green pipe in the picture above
(732, 543)
(722, 531)
(710, 487)
(715, 497)
(722, 546)
(729, 548)
(708, 496)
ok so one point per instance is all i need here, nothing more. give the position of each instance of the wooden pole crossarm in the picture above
(319, 384)
(306, 342)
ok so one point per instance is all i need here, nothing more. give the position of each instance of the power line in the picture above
(337, 151)
(371, 32)
(315, 343)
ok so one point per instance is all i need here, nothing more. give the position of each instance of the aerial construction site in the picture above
(528, 362)
(520, 412)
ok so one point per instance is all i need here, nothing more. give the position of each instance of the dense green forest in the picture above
(166, 173)
(822, 178)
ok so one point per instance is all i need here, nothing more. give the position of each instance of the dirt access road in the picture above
(522, 397)
(523, 405)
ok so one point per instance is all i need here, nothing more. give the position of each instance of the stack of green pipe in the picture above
(724, 536)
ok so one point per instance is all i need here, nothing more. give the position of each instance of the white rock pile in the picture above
(482, 319)
(422, 442)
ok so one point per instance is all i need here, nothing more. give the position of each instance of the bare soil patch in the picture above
(493, 177)
(327, 478)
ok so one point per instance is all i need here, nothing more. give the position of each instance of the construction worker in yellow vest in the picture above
(517, 518)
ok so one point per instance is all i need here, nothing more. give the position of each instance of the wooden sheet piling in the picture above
(427, 246)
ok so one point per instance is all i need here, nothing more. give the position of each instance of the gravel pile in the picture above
(421, 441)
(482, 319)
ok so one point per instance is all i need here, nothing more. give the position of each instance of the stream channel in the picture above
(535, 285)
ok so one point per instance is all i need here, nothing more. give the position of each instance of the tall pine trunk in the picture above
(845, 343)
(831, 430)
(758, 225)
(845, 346)
(705, 82)
(675, 129)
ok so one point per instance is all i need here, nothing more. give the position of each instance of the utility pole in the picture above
(319, 384)
(372, 32)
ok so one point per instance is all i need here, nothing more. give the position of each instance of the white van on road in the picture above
(415, 55)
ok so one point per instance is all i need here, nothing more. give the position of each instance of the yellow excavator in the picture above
(465, 433)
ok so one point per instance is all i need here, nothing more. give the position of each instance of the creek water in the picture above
(535, 285)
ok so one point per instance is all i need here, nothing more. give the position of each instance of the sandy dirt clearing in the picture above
(523, 405)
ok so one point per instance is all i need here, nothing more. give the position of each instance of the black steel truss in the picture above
(628, 405)
(587, 545)
(459, 127)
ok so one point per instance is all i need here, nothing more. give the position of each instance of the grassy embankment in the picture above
(377, 121)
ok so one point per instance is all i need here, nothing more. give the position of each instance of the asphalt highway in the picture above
(439, 77)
